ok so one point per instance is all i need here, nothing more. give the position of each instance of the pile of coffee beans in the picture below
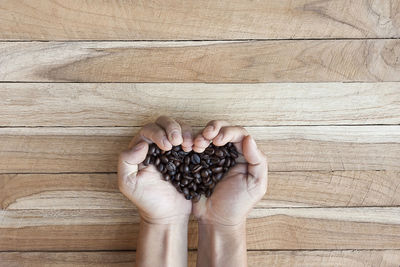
(191, 173)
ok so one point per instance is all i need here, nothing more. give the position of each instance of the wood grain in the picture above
(279, 228)
(285, 189)
(363, 258)
(327, 148)
(72, 104)
(204, 19)
(217, 62)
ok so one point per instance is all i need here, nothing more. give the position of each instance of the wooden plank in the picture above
(382, 258)
(204, 19)
(327, 148)
(267, 104)
(219, 62)
(285, 189)
(279, 228)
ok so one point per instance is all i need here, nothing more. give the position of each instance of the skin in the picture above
(165, 212)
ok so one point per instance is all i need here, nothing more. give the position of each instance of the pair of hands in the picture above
(158, 201)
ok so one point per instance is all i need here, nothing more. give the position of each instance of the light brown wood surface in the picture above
(222, 62)
(204, 19)
(285, 189)
(328, 148)
(317, 83)
(278, 228)
(370, 258)
(93, 104)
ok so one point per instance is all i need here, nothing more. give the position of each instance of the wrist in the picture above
(172, 220)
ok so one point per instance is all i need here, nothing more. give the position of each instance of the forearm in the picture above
(222, 245)
(162, 244)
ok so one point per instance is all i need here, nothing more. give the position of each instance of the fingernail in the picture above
(139, 146)
(175, 135)
(209, 128)
(165, 142)
(220, 137)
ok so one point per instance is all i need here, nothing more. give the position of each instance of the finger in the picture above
(128, 165)
(203, 140)
(187, 135)
(172, 128)
(200, 143)
(232, 134)
(212, 128)
(257, 162)
(152, 133)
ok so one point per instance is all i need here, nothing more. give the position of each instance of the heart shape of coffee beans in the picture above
(191, 173)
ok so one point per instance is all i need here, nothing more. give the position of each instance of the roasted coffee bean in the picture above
(164, 159)
(219, 153)
(146, 161)
(171, 166)
(196, 173)
(204, 173)
(195, 159)
(187, 160)
(209, 151)
(217, 169)
(197, 168)
(184, 182)
(221, 162)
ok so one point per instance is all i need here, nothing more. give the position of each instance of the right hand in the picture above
(157, 200)
(243, 185)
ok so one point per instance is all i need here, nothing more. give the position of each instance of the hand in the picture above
(157, 200)
(243, 185)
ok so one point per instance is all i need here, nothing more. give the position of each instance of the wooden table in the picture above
(316, 82)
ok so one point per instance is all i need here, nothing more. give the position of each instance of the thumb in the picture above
(257, 165)
(128, 165)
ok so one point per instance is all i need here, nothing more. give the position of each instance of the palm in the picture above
(157, 198)
(230, 201)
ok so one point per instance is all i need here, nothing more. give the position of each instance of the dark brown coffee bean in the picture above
(186, 169)
(226, 152)
(219, 153)
(157, 161)
(146, 161)
(194, 186)
(208, 182)
(227, 162)
(176, 148)
(208, 193)
(221, 162)
(204, 173)
(171, 166)
(217, 169)
(179, 189)
(188, 197)
(190, 178)
(167, 177)
(184, 182)
(233, 162)
(158, 150)
(197, 175)
(171, 172)
(177, 163)
(198, 180)
(187, 160)
(164, 159)
(195, 159)
(178, 176)
(209, 151)
(234, 154)
(218, 176)
(152, 149)
(214, 160)
(197, 168)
